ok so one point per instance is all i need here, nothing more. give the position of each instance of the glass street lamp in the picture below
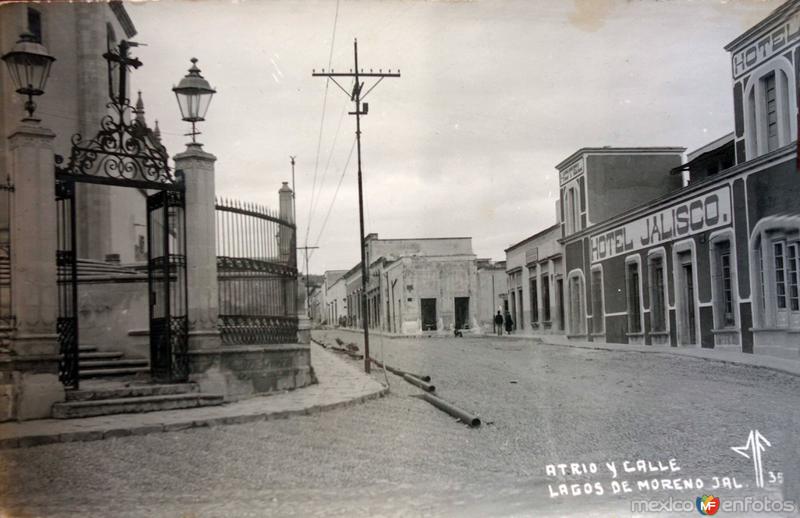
(194, 96)
(29, 66)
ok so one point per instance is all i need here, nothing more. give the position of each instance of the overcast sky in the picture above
(493, 95)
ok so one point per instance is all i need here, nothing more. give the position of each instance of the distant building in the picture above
(535, 270)
(322, 302)
(416, 285)
(492, 286)
(336, 297)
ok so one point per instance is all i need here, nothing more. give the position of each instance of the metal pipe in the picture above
(463, 416)
(400, 373)
(418, 382)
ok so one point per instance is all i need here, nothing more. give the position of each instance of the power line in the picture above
(335, 194)
(321, 124)
(330, 157)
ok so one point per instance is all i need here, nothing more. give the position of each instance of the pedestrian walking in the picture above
(498, 323)
(509, 323)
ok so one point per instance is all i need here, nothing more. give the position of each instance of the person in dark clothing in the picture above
(498, 323)
(509, 323)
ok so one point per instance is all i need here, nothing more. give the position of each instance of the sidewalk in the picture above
(785, 365)
(340, 384)
(764, 361)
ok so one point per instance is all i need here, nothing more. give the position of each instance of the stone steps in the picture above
(99, 355)
(130, 405)
(128, 371)
(112, 364)
(94, 363)
(117, 392)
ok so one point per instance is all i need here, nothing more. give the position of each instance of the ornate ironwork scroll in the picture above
(124, 151)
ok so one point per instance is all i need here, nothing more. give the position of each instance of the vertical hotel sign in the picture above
(703, 212)
(766, 45)
(573, 171)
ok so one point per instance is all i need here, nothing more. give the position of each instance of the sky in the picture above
(492, 95)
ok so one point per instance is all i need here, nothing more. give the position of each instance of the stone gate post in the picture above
(29, 383)
(201, 262)
(288, 246)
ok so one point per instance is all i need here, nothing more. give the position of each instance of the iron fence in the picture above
(6, 314)
(257, 270)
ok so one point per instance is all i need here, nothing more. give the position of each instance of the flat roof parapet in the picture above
(609, 150)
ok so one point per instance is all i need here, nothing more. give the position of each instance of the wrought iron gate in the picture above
(167, 284)
(126, 153)
(67, 322)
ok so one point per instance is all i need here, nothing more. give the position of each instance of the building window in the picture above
(534, 303)
(776, 253)
(723, 285)
(634, 298)
(658, 294)
(598, 314)
(546, 298)
(769, 108)
(573, 211)
(780, 275)
(35, 24)
(794, 273)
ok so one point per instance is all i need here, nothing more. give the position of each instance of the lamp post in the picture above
(29, 66)
(194, 96)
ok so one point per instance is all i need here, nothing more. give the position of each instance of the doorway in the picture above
(462, 312)
(686, 298)
(560, 295)
(428, 314)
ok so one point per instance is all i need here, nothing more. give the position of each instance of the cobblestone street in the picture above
(399, 456)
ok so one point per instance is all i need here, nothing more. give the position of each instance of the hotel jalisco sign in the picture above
(767, 45)
(704, 212)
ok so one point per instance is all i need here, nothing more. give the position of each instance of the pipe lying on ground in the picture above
(418, 382)
(465, 417)
(351, 354)
(398, 372)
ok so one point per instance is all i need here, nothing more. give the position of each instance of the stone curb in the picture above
(95, 435)
(791, 367)
(423, 336)
(758, 361)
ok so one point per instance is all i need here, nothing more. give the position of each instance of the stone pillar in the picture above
(288, 250)
(32, 363)
(201, 261)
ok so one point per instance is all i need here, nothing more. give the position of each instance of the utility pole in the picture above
(308, 290)
(360, 110)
